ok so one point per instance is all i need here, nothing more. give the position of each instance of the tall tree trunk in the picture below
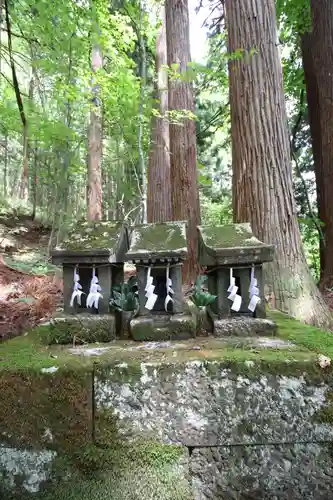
(313, 99)
(262, 183)
(321, 125)
(159, 180)
(184, 187)
(94, 186)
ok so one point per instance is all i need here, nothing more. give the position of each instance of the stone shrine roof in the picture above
(91, 242)
(156, 241)
(231, 244)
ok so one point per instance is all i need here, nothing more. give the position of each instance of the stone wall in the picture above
(196, 429)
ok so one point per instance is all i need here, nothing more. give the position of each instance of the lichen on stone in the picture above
(88, 235)
(158, 239)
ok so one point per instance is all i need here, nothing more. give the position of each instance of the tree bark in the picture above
(23, 191)
(159, 180)
(321, 124)
(262, 172)
(184, 188)
(313, 99)
(94, 187)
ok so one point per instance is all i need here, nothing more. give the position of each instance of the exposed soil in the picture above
(25, 298)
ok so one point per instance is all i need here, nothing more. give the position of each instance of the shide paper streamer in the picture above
(77, 289)
(150, 295)
(169, 290)
(233, 296)
(94, 292)
(254, 292)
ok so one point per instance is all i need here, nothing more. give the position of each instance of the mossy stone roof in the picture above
(232, 244)
(160, 240)
(89, 239)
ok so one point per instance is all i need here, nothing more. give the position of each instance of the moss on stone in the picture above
(45, 410)
(158, 239)
(87, 235)
(145, 470)
(81, 329)
(145, 328)
(229, 236)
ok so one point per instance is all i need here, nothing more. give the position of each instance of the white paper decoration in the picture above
(149, 289)
(94, 292)
(254, 292)
(77, 289)
(233, 295)
(169, 290)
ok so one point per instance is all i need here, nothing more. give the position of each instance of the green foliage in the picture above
(124, 297)
(200, 297)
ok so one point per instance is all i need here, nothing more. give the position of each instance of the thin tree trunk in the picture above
(142, 163)
(321, 125)
(262, 181)
(25, 172)
(184, 188)
(94, 186)
(5, 166)
(159, 180)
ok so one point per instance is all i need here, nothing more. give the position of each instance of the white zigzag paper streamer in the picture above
(149, 289)
(254, 292)
(94, 292)
(169, 290)
(233, 296)
(77, 289)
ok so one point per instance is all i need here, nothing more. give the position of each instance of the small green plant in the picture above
(201, 297)
(124, 297)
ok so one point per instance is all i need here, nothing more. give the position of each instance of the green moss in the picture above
(325, 414)
(87, 235)
(145, 470)
(45, 410)
(229, 236)
(158, 238)
(82, 329)
(308, 336)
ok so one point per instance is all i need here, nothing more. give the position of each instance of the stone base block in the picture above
(163, 327)
(280, 472)
(83, 328)
(243, 327)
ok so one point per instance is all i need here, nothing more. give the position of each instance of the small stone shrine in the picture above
(92, 258)
(233, 257)
(158, 251)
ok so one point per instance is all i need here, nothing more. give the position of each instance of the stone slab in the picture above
(156, 473)
(243, 327)
(163, 327)
(231, 244)
(205, 403)
(298, 472)
(93, 242)
(162, 240)
(82, 328)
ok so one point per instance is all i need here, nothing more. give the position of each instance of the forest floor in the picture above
(30, 286)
